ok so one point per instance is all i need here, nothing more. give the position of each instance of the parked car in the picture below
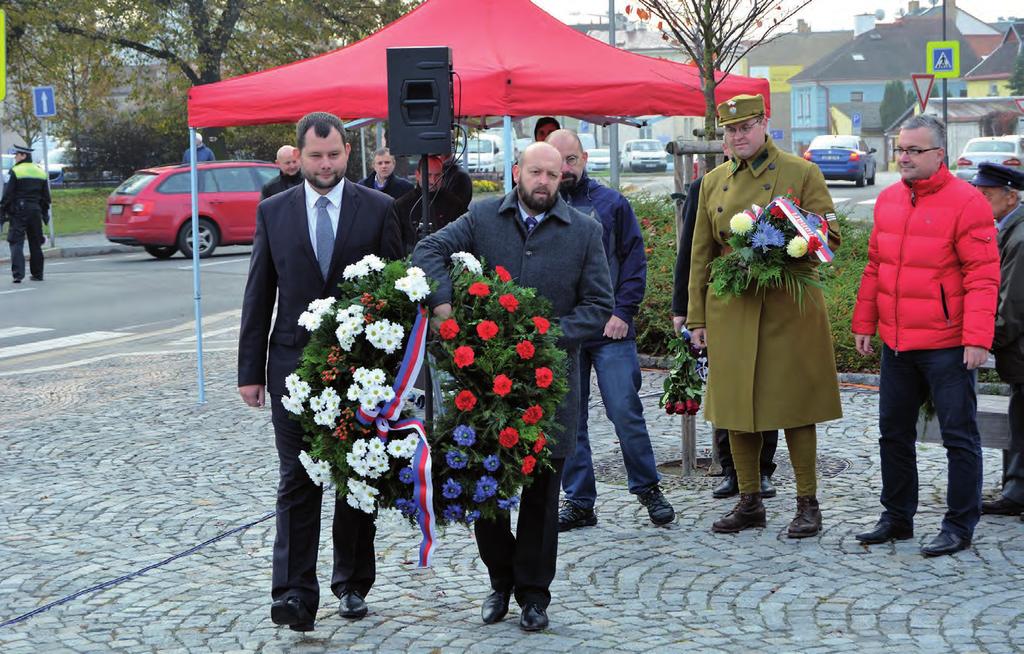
(8, 163)
(643, 154)
(598, 159)
(153, 207)
(482, 155)
(843, 157)
(1006, 150)
(55, 169)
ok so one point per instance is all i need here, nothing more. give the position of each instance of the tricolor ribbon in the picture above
(796, 217)
(385, 419)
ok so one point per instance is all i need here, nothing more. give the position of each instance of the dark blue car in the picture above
(843, 157)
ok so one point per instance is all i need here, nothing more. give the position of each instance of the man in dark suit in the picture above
(383, 178)
(288, 163)
(305, 237)
(547, 245)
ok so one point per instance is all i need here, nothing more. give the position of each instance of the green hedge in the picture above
(842, 278)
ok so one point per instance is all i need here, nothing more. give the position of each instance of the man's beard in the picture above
(569, 182)
(536, 204)
(316, 182)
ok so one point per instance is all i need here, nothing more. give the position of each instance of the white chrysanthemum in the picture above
(403, 448)
(375, 446)
(330, 398)
(353, 393)
(361, 495)
(741, 223)
(372, 262)
(797, 247)
(358, 464)
(385, 335)
(310, 321)
(327, 417)
(351, 311)
(415, 287)
(319, 471)
(292, 404)
(415, 271)
(355, 271)
(297, 388)
(471, 263)
(321, 305)
(370, 376)
(316, 403)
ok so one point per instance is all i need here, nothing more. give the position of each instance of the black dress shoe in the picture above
(352, 605)
(885, 531)
(36, 279)
(945, 543)
(1002, 506)
(291, 612)
(727, 488)
(17, 280)
(767, 489)
(533, 618)
(495, 607)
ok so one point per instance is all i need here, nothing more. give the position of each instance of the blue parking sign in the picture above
(778, 134)
(43, 103)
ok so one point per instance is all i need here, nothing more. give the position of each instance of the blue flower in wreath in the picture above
(472, 516)
(406, 475)
(767, 236)
(456, 459)
(453, 512)
(464, 435)
(508, 504)
(491, 463)
(451, 489)
(407, 507)
(813, 221)
(486, 487)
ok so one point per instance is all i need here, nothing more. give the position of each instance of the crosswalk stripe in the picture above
(208, 334)
(54, 343)
(11, 332)
(17, 290)
(871, 201)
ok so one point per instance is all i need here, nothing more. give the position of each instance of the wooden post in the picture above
(688, 454)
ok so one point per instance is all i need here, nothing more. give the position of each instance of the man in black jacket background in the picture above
(288, 162)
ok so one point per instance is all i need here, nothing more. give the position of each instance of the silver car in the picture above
(1005, 150)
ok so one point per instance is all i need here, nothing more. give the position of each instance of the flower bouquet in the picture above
(684, 386)
(770, 248)
(350, 389)
(505, 380)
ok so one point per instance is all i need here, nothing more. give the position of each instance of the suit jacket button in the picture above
(529, 253)
(725, 188)
(771, 166)
(719, 209)
(767, 187)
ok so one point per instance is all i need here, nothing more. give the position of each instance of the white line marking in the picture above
(871, 201)
(11, 332)
(838, 200)
(105, 357)
(54, 343)
(208, 334)
(17, 290)
(214, 263)
(57, 263)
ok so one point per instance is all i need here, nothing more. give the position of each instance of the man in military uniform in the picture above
(774, 367)
(26, 204)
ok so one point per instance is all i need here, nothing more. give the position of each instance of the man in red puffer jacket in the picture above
(930, 289)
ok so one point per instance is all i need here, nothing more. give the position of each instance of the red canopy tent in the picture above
(512, 59)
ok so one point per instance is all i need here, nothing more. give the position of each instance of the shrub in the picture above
(487, 186)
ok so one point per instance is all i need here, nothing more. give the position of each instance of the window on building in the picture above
(856, 96)
(993, 89)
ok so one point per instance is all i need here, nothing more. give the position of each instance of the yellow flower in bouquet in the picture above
(797, 247)
(741, 223)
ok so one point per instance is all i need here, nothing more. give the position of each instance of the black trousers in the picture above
(298, 527)
(525, 563)
(26, 223)
(768, 447)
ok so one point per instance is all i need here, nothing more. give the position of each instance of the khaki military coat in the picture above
(772, 365)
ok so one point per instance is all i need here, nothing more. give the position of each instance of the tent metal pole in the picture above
(506, 122)
(196, 294)
(613, 129)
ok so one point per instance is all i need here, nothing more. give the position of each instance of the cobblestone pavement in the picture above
(142, 520)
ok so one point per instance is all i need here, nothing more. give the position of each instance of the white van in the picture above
(483, 155)
(644, 154)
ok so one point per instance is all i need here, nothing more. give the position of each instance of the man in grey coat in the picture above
(545, 244)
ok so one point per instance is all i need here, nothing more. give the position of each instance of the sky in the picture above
(822, 15)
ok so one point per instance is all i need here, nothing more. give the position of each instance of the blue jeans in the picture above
(618, 378)
(906, 381)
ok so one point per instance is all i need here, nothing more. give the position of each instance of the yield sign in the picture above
(923, 80)
(1020, 104)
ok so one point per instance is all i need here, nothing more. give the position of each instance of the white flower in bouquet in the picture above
(469, 262)
(372, 262)
(356, 270)
(359, 447)
(378, 465)
(359, 464)
(415, 271)
(327, 417)
(741, 223)
(361, 495)
(797, 247)
(310, 321)
(369, 376)
(403, 448)
(292, 404)
(414, 286)
(389, 519)
(319, 471)
(385, 335)
(297, 388)
(375, 447)
(353, 392)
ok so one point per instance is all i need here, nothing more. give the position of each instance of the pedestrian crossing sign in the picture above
(943, 59)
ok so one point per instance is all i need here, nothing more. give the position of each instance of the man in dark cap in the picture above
(26, 203)
(1001, 186)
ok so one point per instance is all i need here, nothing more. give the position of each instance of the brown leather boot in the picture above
(748, 512)
(807, 521)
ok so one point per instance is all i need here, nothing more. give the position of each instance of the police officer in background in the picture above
(26, 204)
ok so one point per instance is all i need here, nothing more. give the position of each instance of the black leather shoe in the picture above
(495, 607)
(1002, 506)
(291, 612)
(352, 605)
(945, 543)
(658, 508)
(571, 516)
(727, 488)
(767, 489)
(36, 279)
(885, 531)
(533, 618)
(17, 281)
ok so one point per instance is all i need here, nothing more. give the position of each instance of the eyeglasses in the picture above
(572, 159)
(913, 152)
(742, 129)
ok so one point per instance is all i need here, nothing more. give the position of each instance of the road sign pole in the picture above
(945, 110)
(46, 169)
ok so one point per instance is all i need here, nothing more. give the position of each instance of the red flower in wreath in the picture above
(503, 273)
(479, 289)
(540, 443)
(525, 350)
(509, 301)
(813, 244)
(502, 385)
(542, 324)
(529, 463)
(464, 356)
(776, 212)
(508, 437)
(449, 329)
(486, 329)
(544, 377)
(533, 415)
(465, 401)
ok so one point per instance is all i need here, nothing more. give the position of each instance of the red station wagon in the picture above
(153, 207)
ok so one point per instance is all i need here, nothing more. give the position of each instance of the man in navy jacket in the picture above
(612, 354)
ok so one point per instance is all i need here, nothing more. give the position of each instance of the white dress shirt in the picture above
(333, 208)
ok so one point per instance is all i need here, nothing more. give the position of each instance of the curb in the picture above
(78, 251)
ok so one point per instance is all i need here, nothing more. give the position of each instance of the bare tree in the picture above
(717, 34)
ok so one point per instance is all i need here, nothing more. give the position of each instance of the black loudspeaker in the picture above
(420, 100)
